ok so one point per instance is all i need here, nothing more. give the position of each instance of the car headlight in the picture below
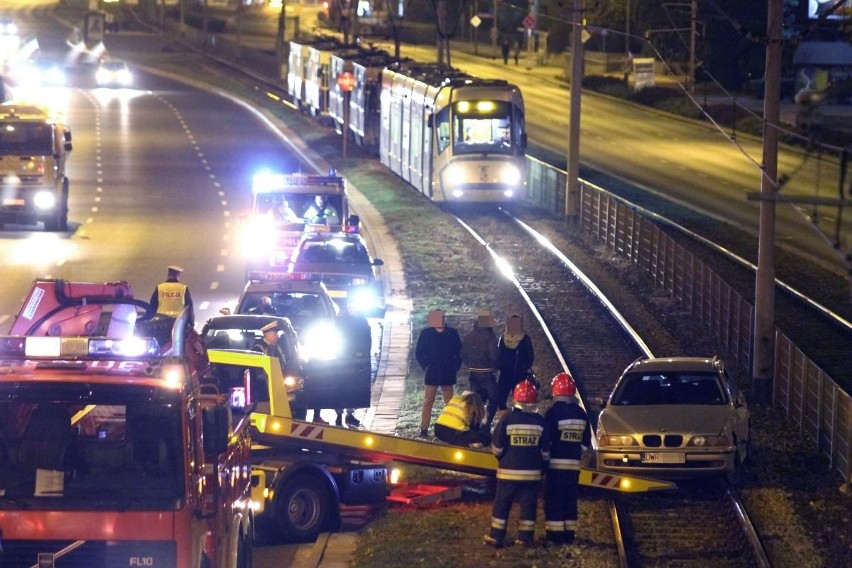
(125, 77)
(44, 200)
(322, 342)
(709, 441)
(616, 440)
(293, 384)
(362, 300)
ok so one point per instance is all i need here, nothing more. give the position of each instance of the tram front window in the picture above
(482, 126)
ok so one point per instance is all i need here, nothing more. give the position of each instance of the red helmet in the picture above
(563, 385)
(526, 392)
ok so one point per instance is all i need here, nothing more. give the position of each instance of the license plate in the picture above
(10, 202)
(662, 457)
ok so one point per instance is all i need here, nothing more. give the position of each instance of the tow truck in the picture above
(269, 237)
(303, 472)
(116, 448)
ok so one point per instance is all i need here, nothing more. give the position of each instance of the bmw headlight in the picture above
(44, 200)
(322, 342)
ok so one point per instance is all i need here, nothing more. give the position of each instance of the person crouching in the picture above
(460, 423)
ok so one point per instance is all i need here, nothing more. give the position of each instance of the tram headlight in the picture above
(511, 175)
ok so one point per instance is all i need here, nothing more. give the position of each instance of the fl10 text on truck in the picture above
(113, 449)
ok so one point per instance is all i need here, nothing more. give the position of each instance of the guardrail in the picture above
(810, 398)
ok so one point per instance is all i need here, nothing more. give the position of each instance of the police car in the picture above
(346, 267)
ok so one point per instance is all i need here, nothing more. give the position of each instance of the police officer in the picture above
(268, 344)
(520, 443)
(172, 296)
(570, 435)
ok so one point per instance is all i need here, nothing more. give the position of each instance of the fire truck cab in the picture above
(285, 207)
(33, 149)
(117, 450)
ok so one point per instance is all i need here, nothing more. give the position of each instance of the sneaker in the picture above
(424, 433)
(491, 541)
(352, 421)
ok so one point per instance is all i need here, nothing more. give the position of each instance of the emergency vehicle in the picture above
(116, 449)
(34, 147)
(285, 207)
(305, 472)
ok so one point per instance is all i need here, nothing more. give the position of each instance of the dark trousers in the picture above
(458, 438)
(485, 385)
(526, 494)
(560, 504)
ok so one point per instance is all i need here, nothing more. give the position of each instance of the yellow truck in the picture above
(34, 147)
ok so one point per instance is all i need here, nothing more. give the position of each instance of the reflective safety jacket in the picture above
(455, 415)
(171, 298)
(520, 444)
(569, 433)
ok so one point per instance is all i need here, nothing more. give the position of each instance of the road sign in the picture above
(475, 21)
(529, 21)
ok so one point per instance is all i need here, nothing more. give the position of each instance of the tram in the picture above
(452, 136)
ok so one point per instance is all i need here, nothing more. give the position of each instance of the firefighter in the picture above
(172, 296)
(520, 444)
(567, 426)
(322, 212)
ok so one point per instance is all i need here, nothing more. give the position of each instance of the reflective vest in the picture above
(455, 415)
(171, 298)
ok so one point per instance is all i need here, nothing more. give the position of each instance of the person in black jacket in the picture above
(516, 358)
(482, 356)
(567, 425)
(438, 351)
(520, 444)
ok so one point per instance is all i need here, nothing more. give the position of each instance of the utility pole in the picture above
(764, 288)
(572, 185)
(693, 18)
(279, 40)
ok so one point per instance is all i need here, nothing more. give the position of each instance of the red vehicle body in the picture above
(116, 449)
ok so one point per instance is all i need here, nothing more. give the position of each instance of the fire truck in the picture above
(285, 207)
(33, 149)
(116, 448)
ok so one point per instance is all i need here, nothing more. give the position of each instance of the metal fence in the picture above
(809, 397)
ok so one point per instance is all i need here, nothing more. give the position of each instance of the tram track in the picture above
(699, 524)
(696, 525)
